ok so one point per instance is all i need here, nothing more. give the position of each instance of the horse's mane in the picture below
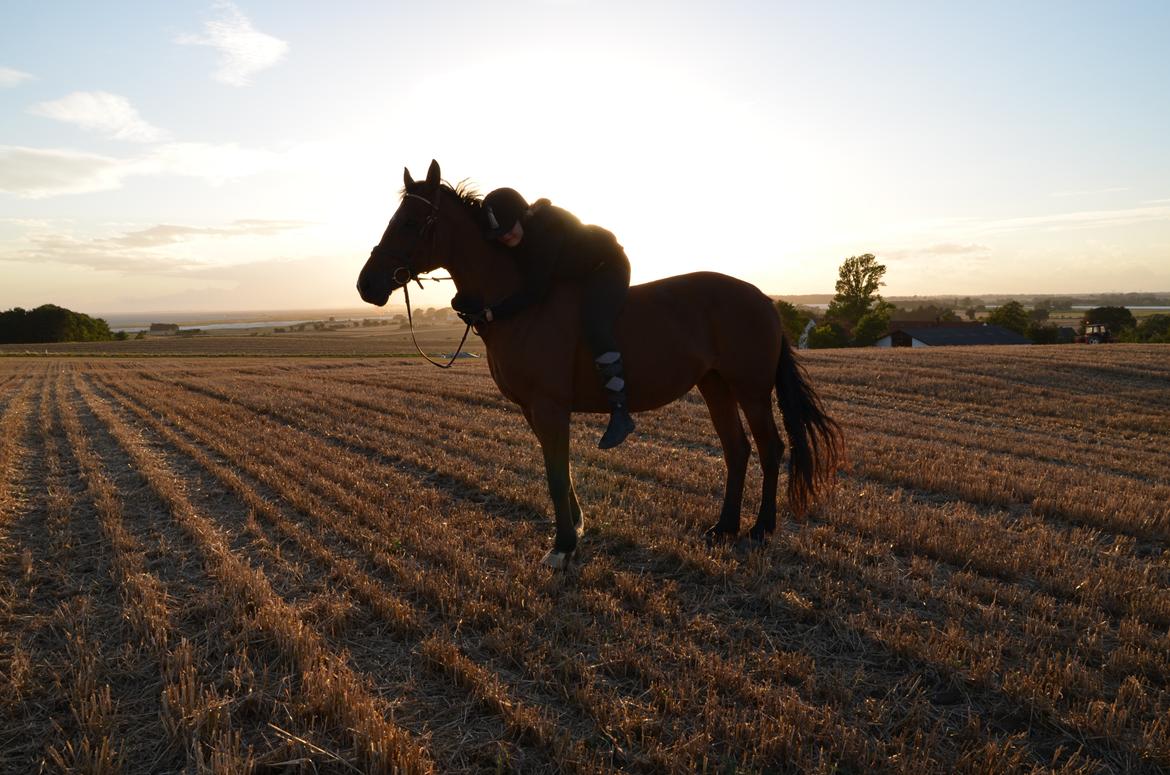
(465, 191)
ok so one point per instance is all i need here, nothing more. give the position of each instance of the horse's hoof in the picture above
(759, 536)
(559, 560)
(715, 536)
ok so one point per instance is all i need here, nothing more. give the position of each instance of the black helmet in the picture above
(502, 208)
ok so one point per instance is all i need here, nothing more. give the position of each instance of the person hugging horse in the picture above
(551, 245)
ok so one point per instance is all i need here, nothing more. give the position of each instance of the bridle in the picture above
(405, 273)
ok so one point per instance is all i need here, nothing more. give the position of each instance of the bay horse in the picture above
(703, 329)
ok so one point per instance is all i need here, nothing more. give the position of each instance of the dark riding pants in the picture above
(604, 294)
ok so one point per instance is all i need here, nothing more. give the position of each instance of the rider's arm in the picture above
(544, 250)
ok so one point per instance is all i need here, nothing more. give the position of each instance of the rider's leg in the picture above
(605, 292)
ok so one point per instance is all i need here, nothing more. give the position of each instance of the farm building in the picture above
(948, 335)
(164, 328)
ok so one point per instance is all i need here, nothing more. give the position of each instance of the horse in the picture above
(704, 329)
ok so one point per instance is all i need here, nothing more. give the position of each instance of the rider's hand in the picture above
(470, 309)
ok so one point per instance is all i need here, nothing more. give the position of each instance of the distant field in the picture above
(374, 341)
(331, 564)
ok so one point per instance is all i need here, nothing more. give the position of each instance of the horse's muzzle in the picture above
(375, 287)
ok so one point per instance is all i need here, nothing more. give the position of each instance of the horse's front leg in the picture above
(550, 422)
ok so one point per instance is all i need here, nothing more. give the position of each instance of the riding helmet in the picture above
(502, 208)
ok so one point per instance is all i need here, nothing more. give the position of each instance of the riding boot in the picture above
(621, 424)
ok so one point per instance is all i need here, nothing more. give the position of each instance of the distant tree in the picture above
(1038, 314)
(1154, 328)
(793, 319)
(828, 335)
(1117, 319)
(50, 323)
(873, 325)
(1012, 316)
(1042, 333)
(925, 312)
(857, 289)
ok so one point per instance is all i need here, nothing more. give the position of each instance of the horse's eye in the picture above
(411, 223)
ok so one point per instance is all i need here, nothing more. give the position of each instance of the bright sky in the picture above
(212, 156)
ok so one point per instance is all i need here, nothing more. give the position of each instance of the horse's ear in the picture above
(433, 174)
(407, 180)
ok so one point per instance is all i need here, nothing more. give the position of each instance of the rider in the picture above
(551, 244)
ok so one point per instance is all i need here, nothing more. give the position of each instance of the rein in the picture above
(411, 275)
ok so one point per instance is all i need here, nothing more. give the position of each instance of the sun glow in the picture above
(687, 177)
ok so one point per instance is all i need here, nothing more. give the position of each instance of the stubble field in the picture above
(331, 565)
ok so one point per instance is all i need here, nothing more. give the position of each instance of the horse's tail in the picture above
(816, 441)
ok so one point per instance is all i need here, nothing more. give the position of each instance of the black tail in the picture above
(816, 442)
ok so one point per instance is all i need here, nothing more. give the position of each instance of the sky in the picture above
(194, 156)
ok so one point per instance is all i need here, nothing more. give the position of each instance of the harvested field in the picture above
(331, 565)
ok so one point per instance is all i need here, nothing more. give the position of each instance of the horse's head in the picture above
(409, 245)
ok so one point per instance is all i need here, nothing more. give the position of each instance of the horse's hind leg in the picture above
(725, 415)
(770, 448)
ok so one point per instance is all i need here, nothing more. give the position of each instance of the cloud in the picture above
(37, 172)
(137, 251)
(215, 163)
(61, 249)
(243, 50)
(940, 249)
(42, 172)
(958, 230)
(10, 77)
(1085, 219)
(1087, 192)
(99, 111)
(167, 234)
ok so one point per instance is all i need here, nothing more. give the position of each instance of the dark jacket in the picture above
(557, 246)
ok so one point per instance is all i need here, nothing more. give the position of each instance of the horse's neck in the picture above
(479, 269)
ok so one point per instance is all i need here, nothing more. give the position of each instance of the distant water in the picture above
(233, 326)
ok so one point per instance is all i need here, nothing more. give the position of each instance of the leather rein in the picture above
(404, 274)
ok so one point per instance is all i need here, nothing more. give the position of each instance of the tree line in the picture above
(50, 323)
(858, 315)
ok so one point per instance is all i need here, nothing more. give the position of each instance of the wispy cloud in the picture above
(169, 234)
(968, 229)
(99, 111)
(1088, 192)
(213, 162)
(243, 50)
(139, 251)
(10, 77)
(36, 173)
(939, 250)
(1084, 219)
(92, 254)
